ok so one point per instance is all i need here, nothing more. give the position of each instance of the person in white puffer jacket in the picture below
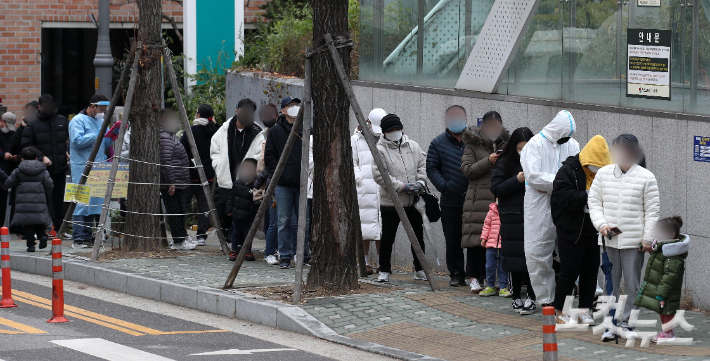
(625, 195)
(368, 192)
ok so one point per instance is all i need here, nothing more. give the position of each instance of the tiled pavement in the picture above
(452, 324)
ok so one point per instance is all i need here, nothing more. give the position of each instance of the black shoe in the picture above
(457, 282)
(285, 264)
(233, 255)
(43, 243)
(250, 257)
(31, 249)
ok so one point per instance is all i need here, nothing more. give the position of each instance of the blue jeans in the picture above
(82, 227)
(493, 263)
(287, 211)
(271, 229)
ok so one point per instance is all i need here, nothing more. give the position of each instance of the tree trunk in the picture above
(334, 195)
(145, 136)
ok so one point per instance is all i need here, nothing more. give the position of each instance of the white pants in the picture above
(626, 262)
(538, 256)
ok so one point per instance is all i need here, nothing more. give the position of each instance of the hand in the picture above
(257, 195)
(493, 158)
(46, 161)
(418, 188)
(8, 156)
(17, 158)
(408, 188)
(663, 304)
(68, 156)
(521, 177)
(645, 247)
(171, 190)
(605, 230)
(483, 243)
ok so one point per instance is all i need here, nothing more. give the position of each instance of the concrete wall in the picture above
(667, 139)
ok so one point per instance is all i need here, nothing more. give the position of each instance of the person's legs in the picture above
(476, 263)
(571, 256)
(516, 283)
(530, 290)
(30, 235)
(203, 220)
(616, 271)
(240, 229)
(588, 272)
(221, 196)
(271, 230)
(451, 218)
(3, 207)
(307, 244)
(57, 214)
(631, 264)
(502, 274)
(173, 205)
(415, 219)
(390, 222)
(491, 265)
(284, 208)
(538, 256)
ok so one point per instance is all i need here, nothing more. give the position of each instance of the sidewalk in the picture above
(452, 324)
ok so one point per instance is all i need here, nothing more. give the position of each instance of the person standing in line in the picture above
(243, 205)
(541, 158)
(49, 135)
(483, 147)
(268, 115)
(7, 160)
(624, 197)
(203, 128)
(405, 164)
(508, 185)
(577, 237)
(443, 167)
(368, 192)
(29, 115)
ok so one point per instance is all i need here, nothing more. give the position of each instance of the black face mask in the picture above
(563, 140)
(269, 122)
(47, 114)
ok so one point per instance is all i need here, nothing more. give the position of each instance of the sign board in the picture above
(648, 3)
(701, 149)
(648, 68)
(98, 179)
(77, 193)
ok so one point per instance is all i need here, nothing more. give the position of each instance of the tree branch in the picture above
(174, 24)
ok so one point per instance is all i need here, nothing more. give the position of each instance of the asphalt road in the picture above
(105, 325)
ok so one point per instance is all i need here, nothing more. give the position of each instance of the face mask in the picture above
(269, 122)
(4, 129)
(394, 136)
(456, 125)
(593, 168)
(99, 116)
(293, 111)
(563, 140)
(492, 136)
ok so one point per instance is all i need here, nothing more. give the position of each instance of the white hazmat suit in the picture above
(541, 158)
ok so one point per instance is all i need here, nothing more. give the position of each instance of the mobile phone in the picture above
(615, 232)
(499, 151)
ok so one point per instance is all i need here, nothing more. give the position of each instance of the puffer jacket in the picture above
(202, 131)
(248, 144)
(443, 167)
(241, 203)
(664, 277)
(628, 200)
(49, 137)
(491, 228)
(568, 202)
(33, 183)
(368, 191)
(511, 200)
(478, 169)
(173, 153)
(275, 145)
(405, 163)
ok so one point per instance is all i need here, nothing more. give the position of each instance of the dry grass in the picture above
(285, 293)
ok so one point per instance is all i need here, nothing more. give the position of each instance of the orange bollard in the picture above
(6, 301)
(549, 335)
(57, 283)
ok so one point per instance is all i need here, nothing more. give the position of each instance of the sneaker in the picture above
(67, 236)
(271, 259)
(384, 277)
(664, 336)
(250, 257)
(528, 307)
(457, 282)
(183, 246)
(517, 305)
(488, 291)
(307, 262)
(285, 264)
(628, 332)
(420, 276)
(504, 293)
(31, 249)
(43, 243)
(80, 245)
(233, 255)
(475, 285)
(191, 240)
(562, 319)
(201, 241)
(586, 318)
(608, 336)
(598, 292)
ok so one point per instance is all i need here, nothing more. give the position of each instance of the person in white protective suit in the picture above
(541, 158)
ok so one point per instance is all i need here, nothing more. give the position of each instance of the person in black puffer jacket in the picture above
(242, 206)
(508, 185)
(174, 178)
(48, 134)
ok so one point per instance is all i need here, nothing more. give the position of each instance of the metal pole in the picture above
(378, 22)
(694, 71)
(369, 137)
(468, 8)
(420, 37)
(195, 153)
(103, 62)
(303, 195)
(114, 165)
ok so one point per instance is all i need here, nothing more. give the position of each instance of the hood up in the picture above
(562, 126)
(32, 167)
(595, 153)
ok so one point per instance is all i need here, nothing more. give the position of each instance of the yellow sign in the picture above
(96, 83)
(99, 176)
(77, 193)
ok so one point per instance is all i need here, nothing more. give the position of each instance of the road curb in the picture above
(234, 304)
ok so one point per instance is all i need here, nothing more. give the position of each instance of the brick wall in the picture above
(252, 12)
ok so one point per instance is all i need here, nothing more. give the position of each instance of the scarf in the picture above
(200, 121)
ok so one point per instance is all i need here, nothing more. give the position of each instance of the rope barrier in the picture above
(145, 183)
(150, 214)
(144, 162)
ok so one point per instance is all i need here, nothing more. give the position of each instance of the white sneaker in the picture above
(272, 260)
(184, 246)
(191, 240)
(562, 320)
(528, 307)
(420, 276)
(475, 286)
(200, 241)
(67, 236)
(607, 336)
(384, 277)
(598, 291)
(586, 318)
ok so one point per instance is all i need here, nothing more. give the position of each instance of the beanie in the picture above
(390, 122)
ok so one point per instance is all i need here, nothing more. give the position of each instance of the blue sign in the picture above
(701, 149)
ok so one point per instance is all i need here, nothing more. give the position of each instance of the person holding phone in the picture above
(624, 206)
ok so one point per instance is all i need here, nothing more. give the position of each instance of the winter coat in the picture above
(569, 201)
(443, 167)
(628, 200)
(203, 138)
(49, 137)
(478, 169)
(275, 144)
(17, 140)
(491, 228)
(247, 143)
(405, 163)
(6, 166)
(172, 153)
(511, 199)
(368, 191)
(83, 131)
(32, 183)
(241, 203)
(663, 279)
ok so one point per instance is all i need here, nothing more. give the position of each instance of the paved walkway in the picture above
(453, 324)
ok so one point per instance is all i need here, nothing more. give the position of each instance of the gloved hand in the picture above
(409, 188)
(113, 132)
(418, 188)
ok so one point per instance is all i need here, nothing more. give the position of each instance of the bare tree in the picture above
(334, 195)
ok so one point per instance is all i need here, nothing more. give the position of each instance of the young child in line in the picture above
(490, 240)
(243, 203)
(33, 184)
(662, 286)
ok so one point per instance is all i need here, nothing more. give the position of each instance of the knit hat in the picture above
(390, 122)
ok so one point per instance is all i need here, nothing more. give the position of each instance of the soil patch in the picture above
(285, 293)
(115, 254)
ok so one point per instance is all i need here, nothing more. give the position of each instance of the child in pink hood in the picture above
(490, 240)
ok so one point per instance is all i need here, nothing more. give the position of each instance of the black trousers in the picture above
(577, 260)
(390, 222)
(518, 279)
(451, 222)
(31, 231)
(3, 206)
(174, 205)
(203, 220)
(56, 200)
(221, 196)
(476, 265)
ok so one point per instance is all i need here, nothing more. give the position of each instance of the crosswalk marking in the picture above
(18, 326)
(236, 351)
(108, 350)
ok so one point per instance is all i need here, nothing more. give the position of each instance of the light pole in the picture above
(103, 62)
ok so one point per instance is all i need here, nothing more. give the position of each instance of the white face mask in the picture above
(293, 111)
(394, 136)
(593, 168)
(99, 116)
(4, 129)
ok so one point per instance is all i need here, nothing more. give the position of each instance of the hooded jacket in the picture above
(241, 203)
(478, 169)
(443, 167)
(49, 136)
(173, 154)
(405, 163)
(510, 194)
(663, 279)
(368, 191)
(203, 132)
(32, 183)
(275, 144)
(491, 228)
(248, 142)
